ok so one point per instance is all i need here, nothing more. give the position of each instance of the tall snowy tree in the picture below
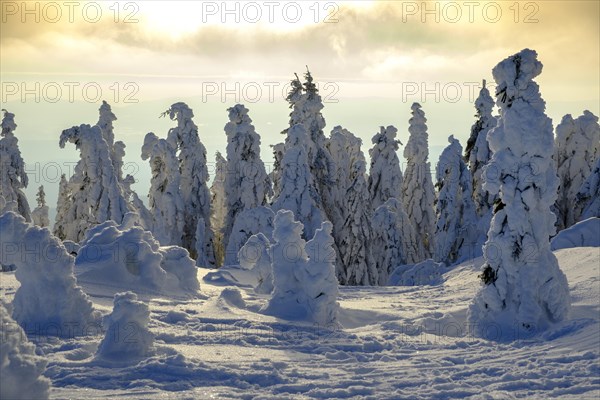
(218, 208)
(63, 209)
(385, 176)
(577, 146)
(394, 241)
(477, 152)
(358, 265)
(96, 194)
(275, 174)
(588, 197)
(417, 188)
(166, 204)
(13, 178)
(247, 184)
(40, 214)
(524, 289)
(194, 177)
(298, 191)
(456, 227)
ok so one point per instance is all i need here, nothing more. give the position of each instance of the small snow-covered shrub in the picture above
(21, 370)
(127, 334)
(255, 255)
(48, 302)
(129, 257)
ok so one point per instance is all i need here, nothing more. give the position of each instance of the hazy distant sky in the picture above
(371, 58)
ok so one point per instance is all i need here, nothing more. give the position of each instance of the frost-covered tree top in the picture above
(298, 191)
(417, 187)
(588, 197)
(524, 288)
(456, 228)
(218, 208)
(247, 184)
(105, 122)
(385, 176)
(99, 196)
(194, 177)
(13, 177)
(577, 146)
(477, 153)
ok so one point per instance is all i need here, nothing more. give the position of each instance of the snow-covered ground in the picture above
(396, 342)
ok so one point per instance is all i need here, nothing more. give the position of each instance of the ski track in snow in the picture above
(397, 342)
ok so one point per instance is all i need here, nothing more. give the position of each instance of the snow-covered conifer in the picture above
(218, 208)
(577, 146)
(275, 174)
(247, 184)
(385, 176)
(298, 191)
(477, 152)
(40, 214)
(304, 288)
(166, 204)
(96, 193)
(13, 178)
(418, 193)
(194, 178)
(394, 241)
(524, 289)
(358, 266)
(456, 228)
(63, 208)
(588, 197)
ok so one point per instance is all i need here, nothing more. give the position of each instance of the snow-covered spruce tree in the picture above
(63, 311)
(63, 209)
(275, 174)
(576, 148)
(418, 193)
(456, 227)
(477, 152)
(303, 288)
(385, 176)
(166, 203)
(21, 369)
(588, 197)
(394, 241)
(247, 184)
(358, 266)
(128, 315)
(194, 178)
(306, 104)
(218, 209)
(96, 193)
(298, 191)
(40, 214)
(524, 289)
(13, 177)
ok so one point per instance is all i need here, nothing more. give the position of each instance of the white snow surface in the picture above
(393, 343)
(583, 234)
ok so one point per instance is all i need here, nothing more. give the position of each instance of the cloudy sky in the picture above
(372, 59)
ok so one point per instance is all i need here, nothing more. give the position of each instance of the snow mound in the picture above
(48, 300)
(247, 223)
(427, 272)
(127, 334)
(255, 256)
(233, 297)
(20, 369)
(583, 234)
(125, 256)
